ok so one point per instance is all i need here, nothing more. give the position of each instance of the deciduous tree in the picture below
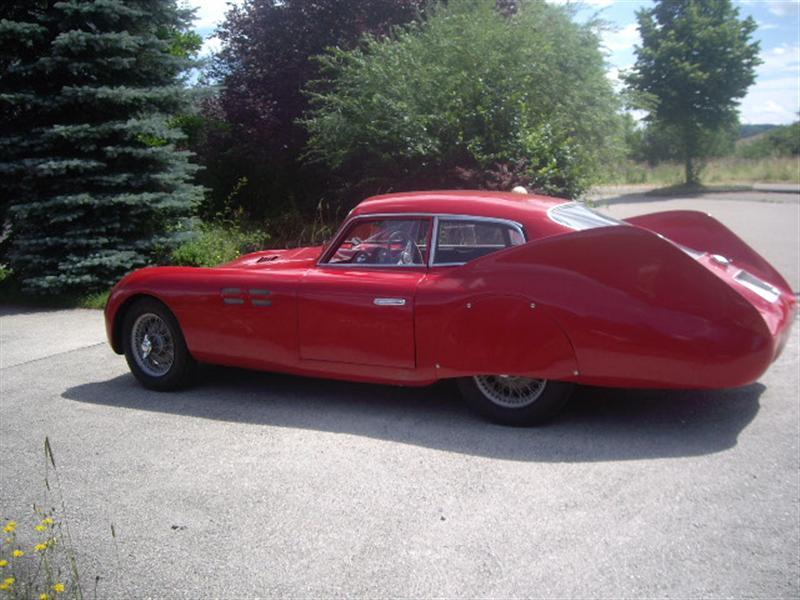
(265, 61)
(471, 97)
(695, 62)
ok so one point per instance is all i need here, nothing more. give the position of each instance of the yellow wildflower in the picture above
(40, 547)
(48, 521)
(9, 581)
(17, 553)
(44, 597)
(58, 588)
(4, 586)
(3, 563)
(10, 527)
(40, 528)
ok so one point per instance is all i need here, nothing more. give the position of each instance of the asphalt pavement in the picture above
(255, 484)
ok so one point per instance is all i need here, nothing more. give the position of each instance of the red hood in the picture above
(276, 259)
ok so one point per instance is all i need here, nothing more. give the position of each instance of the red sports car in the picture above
(517, 297)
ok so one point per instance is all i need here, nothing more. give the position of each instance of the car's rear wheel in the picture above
(516, 401)
(154, 346)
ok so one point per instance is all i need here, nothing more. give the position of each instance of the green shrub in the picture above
(5, 273)
(217, 243)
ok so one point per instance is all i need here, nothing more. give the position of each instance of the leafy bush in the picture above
(467, 91)
(217, 243)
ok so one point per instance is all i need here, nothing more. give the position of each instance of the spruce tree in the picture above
(92, 177)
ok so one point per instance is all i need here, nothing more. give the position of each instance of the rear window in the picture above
(462, 240)
(578, 216)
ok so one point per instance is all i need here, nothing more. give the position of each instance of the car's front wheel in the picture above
(516, 401)
(154, 346)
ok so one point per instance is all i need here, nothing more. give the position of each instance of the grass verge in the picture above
(773, 169)
(11, 293)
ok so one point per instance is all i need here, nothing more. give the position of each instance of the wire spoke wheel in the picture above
(152, 345)
(509, 391)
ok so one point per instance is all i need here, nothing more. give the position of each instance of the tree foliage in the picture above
(695, 62)
(89, 157)
(655, 142)
(265, 61)
(471, 97)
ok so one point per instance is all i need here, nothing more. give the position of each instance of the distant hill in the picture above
(776, 141)
(746, 131)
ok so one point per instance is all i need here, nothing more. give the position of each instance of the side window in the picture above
(402, 242)
(462, 240)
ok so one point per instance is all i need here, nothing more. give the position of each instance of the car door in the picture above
(357, 305)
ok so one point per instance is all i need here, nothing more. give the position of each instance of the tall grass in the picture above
(775, 169)
(38, 561)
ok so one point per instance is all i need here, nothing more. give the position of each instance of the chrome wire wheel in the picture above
(510, 391)
(152, 345)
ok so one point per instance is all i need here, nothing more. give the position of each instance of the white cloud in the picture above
(614, 76)
(210, 13)
(211, 45)
(623, 39)
(772, 101)
(579, 3)
(775, 96)
(759, 109)
(784, 8)
(780, 60)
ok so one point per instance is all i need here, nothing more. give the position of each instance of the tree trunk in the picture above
(690, 147)
(691, 172)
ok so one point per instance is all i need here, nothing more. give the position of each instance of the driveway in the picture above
(255, 484)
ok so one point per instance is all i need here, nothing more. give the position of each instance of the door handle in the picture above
(389, 302)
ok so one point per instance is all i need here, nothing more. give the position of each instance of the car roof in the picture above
(526, 209)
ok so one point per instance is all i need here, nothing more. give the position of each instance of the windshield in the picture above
(578, 216)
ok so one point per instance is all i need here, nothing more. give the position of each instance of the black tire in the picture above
(545, 400)
(167, 363)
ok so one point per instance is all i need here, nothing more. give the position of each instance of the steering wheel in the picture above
(410, 255)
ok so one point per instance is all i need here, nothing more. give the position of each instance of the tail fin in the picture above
(702, 232)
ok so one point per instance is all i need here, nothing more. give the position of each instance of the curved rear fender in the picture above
(492, 333)
(636, 309)
(702, 232)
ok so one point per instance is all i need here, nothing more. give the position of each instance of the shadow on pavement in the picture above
(598, 425)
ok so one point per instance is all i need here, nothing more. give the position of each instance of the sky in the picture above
(774, 98)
